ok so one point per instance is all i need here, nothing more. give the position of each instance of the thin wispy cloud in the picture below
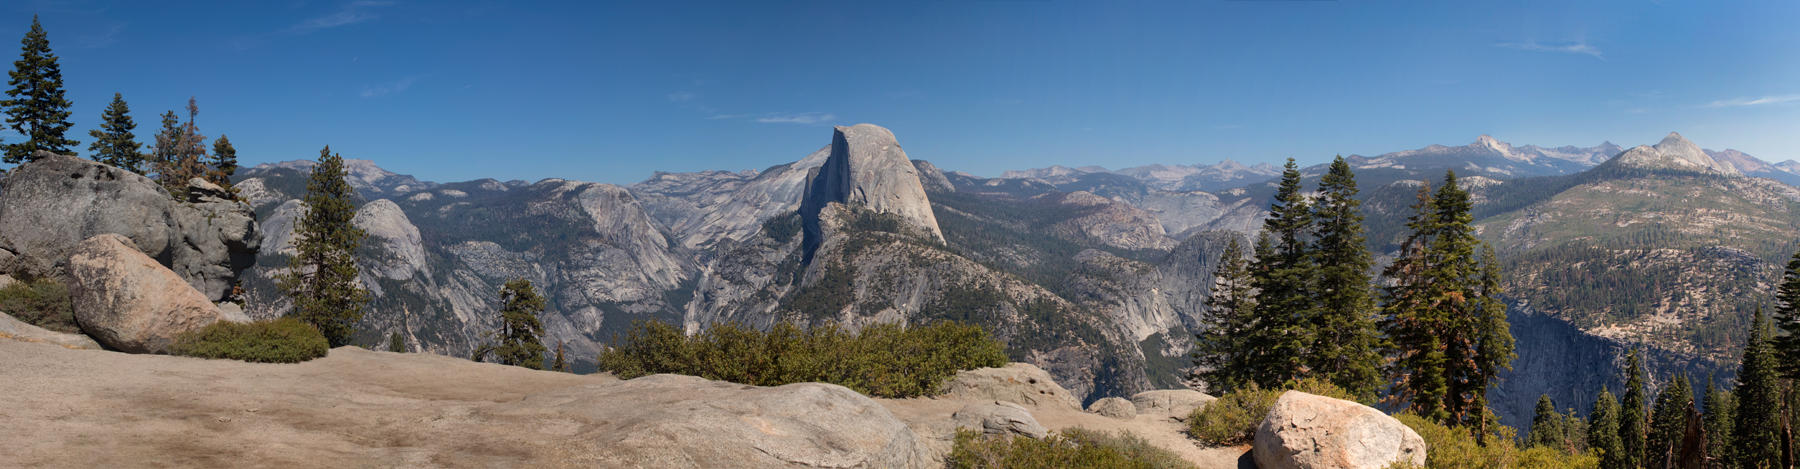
(359, 11)
(807, 118)
(352, 13)
(1756, 101)
(99, 39)
(384, 89)
(693, 100)
(1578, 47)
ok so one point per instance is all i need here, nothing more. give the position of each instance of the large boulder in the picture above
(677, 421)
(129, 302)
(15, 329)
(998, 418)
(1022, 383)
(1115, 407)
(52, 204)
(1307, 431)
(1176, 403)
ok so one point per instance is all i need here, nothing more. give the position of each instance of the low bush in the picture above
(882, 360)
(1073, 448)
(40, 302)
(1232, 419)
(281, 340)
(1551, 458)
(1457, 448)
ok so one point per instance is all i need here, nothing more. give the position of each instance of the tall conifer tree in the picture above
(114, 144)
(1444, 315)
(322, 275)
(1546, 425)
(1414, 327)
(560, 364)
(1346, 350)
(1632, 421)
(173, 155)
(1603, 431)
(190, 148)
(224, 162)
(1479, 344)
(520, 333)
(37, 108)
(1757, 434)
(1718, 422)
(1787, 317)
(1224, 359)
(1668, 423)
(162, 150)
(1283, 280)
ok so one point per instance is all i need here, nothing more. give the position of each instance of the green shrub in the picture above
(1232, 419)
(281, 340)
(40, 302)
(1551, 458)
(883, 360)
(1456, 448)
(1073, 448)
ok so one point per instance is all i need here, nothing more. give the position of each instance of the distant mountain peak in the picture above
(1674, 153)
(867, 168)
(1504, 149)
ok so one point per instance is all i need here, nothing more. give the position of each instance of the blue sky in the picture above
(602, 91)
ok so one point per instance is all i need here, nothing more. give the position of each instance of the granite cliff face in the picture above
(438, 253)
(49, 206)
(867, 168)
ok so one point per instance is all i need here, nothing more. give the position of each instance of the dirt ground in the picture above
(354, 408)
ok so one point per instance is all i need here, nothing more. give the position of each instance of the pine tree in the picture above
(174, 157)
(322, 277)
(1346, 349)
(1444, 315)
(1480, 343)
(559, 364)
(396, 343)
(1546, 425)
(520, 331)
(1668, 423)
(1603, 431)
(1575, 433)
(1718, 423)
(114, 143)
(162, 150)
(1756, 435)
(224, 162)
(1224, 359)
(37, 108)
(1632, 424)
(1413, 327)
(1787, 317)
(190, 149)
(1493, 340)
(1283, 277)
